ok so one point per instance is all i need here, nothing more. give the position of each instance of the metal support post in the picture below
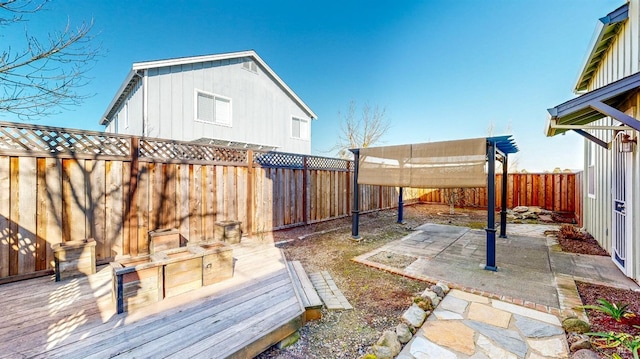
(400, 207)
(355, 212)
(503, 205)
(491, 208)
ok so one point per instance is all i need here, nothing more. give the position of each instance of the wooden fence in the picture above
(557, 192)
(58, 185)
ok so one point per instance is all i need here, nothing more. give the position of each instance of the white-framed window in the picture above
(212, 108)
(591, 171)
(299, 128)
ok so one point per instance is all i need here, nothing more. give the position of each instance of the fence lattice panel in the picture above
(55, 141)
(297, 161)
(175, 150)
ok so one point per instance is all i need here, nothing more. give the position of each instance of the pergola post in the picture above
(400, 206)
(355, 211)
(491, 207)
(503, 205)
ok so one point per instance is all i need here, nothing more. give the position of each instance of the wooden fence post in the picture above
(132, 199)
(250, 199)
(305, 189)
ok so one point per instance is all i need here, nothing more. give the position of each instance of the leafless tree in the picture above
(360, 130)
(41, 76)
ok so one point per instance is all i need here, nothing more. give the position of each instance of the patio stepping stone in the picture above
(507, 339)
(489, 315)
(532, 328)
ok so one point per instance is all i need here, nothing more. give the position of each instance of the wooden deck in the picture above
(237, 318)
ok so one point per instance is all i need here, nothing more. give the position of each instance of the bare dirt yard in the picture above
(378, 298)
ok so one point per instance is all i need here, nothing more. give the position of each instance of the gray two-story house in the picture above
(225, 99)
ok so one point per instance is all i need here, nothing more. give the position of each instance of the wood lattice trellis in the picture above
(51, 141)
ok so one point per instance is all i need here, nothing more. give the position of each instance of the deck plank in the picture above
(77, 319)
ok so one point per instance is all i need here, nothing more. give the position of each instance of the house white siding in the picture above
(621, 60)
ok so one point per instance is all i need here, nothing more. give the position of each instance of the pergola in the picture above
(447, 164)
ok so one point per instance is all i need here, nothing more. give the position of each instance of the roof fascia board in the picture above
(190, 60)
(615, 113)
(602, 94)
(592, 138)
(128, 79)
(598, 39)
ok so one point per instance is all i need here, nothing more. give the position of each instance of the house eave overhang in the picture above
(579, 113)
(604, 35)
(139, 67)
(123, 91)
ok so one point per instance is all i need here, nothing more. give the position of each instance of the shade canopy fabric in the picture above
(447, 164)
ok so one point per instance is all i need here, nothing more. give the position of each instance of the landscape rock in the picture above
(428, 293)
(388, 340)
(580, 344)
(575, 325)
(414, 316)
(436, 301)
(578, 341)
(545, 218)
(404, 333)
(381, 352)
(520, 209)
(438, 290)
(444, 287)
(585, 354)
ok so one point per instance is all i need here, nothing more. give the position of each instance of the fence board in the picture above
(95, 194)
(114, 215)
(143, 208)
(27, 215)
(195, 203)
(53, 215)
(208, 205)
(5, 215)
(41, 212)
(125, 170)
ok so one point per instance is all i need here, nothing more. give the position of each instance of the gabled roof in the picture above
(138, 68)
(605, 33)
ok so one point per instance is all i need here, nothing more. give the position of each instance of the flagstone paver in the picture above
(446, 314)
(469, 326)
(451, 334)
(453, 304)
(489, 315)
(469, 297)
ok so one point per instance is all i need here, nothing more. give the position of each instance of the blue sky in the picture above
(442, 69)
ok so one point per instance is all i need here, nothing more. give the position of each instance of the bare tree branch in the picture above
(360, 132)
(44, 76)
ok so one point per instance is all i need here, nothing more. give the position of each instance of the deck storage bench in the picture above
(74, 258)
(227, 231)
(148, 279)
